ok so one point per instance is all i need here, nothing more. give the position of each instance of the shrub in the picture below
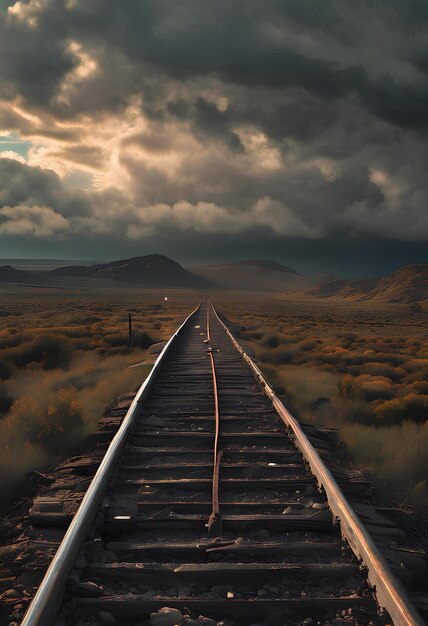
(412, 407)
(349, 388)
(142, 339)
(376, 387)
(46, 426)
(85, 319)
(116, 339)
(271, 340)
(50, 351)
(277, 356)
(308, 345)
(383, 369)
(419, 387)
(14, 339)
(6, 400)
(251, 334)
(6, 369)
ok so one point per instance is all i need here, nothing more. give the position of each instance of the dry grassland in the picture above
(64, 356)
(364, 370)
(361, 369)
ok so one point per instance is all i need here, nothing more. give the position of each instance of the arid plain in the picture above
(360, 368)
(64, 356)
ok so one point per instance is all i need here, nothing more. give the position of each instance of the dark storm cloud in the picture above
(284, 118)
(233, 41)
(212, 123)
(21, 184)
(31, 62)
(402, 104)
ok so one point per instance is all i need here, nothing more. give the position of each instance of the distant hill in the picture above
(269, 267)
(9, 274)
(258, 275)
(407, 285)
(41, 265)
(153, 270)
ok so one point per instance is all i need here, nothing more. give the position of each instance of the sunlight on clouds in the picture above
(38, 221)
(85, 69)
(10, 154)
(392, 187)
(328, 168)
(212, 95)
(201, 217)
(208, 217)
(257, 146)
(87, 65)
(42, 156)
(27, 12)
(162, 147)
(19, 109)
(280, 218)
(266, 117)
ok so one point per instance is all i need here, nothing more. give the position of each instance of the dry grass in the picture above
(361, 369)
(63, 358)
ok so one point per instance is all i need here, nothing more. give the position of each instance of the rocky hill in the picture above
(258, 275)
(153, 270)
(407, 285)
(9, 274)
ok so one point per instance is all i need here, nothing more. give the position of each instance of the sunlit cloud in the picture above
(10, 154)
(294, 127)
(37, 221)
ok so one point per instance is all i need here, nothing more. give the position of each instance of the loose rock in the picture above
(166, 616)
(206, 621)
(10, 594)
(90, 589)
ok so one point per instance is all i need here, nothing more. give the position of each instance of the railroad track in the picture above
(211, 500)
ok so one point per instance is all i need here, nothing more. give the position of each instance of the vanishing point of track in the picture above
(210, 499)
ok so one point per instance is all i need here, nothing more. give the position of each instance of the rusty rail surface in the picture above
(44, 606)
(389, 592)
(214, 521)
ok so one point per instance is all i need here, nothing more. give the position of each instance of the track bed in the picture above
(214, 513)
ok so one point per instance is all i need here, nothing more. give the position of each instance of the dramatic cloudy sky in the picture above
(287, 129)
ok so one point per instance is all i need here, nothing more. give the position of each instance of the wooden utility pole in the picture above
(130, 329)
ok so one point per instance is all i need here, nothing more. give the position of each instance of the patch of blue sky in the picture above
(4, 4)
(12, 143)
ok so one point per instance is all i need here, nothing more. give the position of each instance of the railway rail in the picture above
(212, 501)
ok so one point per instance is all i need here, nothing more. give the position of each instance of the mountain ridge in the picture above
(9, 274)
(152, 270)
(267, 265)
(258, 275)
(406, 285)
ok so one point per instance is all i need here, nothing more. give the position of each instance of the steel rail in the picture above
(390, 594)
(44, 607)
(214, 521)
